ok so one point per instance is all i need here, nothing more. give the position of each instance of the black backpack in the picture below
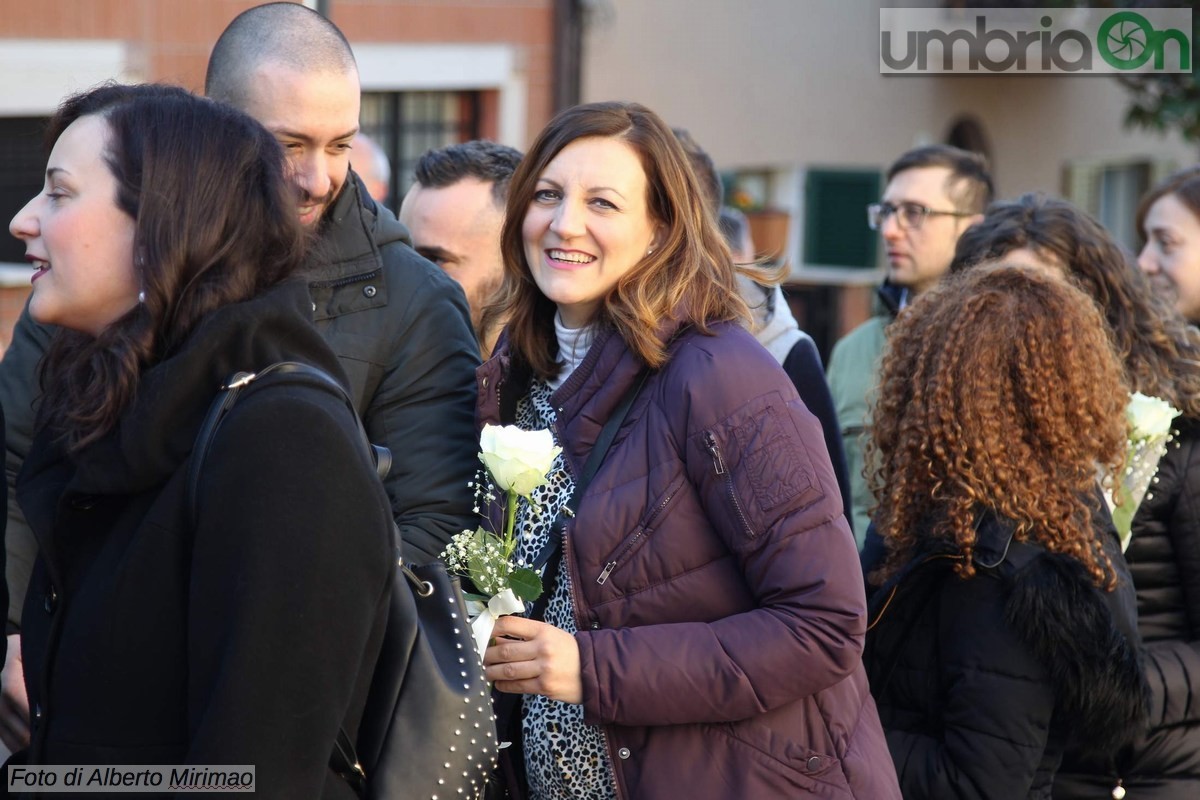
(428, 729)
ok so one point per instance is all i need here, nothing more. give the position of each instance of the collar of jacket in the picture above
(595, 387)
(997, 550)
(155, 435)
(889, 297)
(351, 234)
(995, 547)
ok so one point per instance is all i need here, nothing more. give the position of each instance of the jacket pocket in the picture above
(632, 543)
(816, 773)
(761, 468)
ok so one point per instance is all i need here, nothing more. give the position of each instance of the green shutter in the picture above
(835, 218)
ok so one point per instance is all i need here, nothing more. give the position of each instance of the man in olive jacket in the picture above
(399, 325)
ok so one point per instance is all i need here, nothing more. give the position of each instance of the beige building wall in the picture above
(795, 84)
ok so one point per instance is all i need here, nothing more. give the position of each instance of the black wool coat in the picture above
(981, 683)
(1163, 762)
(248, 638)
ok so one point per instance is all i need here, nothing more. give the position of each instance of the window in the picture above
(835, 221)
(1111, 190)
(406, 124)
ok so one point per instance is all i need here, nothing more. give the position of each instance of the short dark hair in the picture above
(487, 161)
(287, 33)
(214, 223)
(734, 227)
(970, 182)
(705, 168)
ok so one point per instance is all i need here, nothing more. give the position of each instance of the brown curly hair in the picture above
(1160, 350)
(999, 390)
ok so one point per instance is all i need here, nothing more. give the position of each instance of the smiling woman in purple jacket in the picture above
(703, 635)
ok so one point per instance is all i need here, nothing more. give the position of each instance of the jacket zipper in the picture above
(639, 536)
(572, 580)
(340, 282)
(710, 442)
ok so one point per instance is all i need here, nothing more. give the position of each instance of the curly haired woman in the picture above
(1161, 357)
(1004, 621)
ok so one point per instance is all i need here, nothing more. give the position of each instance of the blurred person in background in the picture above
(776, 329)
(771, 319)
(1004, 627)
(933, 194)
(372, 166)
(454, 211)
(1160, 357)
(1168, 220)
(702, 636)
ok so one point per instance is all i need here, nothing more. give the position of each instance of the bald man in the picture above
(399, 326)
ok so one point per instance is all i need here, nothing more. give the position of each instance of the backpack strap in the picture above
(232, 390)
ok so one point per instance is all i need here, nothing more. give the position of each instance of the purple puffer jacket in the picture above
(718, 592)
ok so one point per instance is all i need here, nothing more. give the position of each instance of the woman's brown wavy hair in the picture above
(999, 390)
(689, 278)
(1160, 350)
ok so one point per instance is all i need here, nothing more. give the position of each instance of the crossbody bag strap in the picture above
(549, 557)
(233, 389)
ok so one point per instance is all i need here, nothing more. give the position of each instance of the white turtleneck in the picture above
(573, 344)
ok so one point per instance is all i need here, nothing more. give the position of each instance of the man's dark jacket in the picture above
(402, 333)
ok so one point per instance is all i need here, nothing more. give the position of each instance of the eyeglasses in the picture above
(909, 216)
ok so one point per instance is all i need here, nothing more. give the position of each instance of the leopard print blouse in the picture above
(565, 758)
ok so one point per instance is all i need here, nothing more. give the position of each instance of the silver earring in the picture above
(650, 252)
(142, 296)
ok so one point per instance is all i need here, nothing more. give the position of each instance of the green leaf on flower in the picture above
(479, 598)
(525, 584)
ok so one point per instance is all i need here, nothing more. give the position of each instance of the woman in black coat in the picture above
(1004, 623)
(1161, 358)
(163, 241)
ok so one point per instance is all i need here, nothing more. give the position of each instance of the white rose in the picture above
(1149, 416)
(518, 460)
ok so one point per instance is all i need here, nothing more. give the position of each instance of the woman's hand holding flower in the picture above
(531, 657)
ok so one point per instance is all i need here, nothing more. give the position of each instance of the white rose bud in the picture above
(518, 460)
(1149, 416)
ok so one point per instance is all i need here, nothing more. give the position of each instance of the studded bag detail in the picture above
(428, 730)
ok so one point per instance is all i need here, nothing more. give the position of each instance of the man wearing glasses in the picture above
(933, 194)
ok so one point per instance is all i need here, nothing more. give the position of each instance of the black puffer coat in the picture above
(980, 682)
(1164, 560)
